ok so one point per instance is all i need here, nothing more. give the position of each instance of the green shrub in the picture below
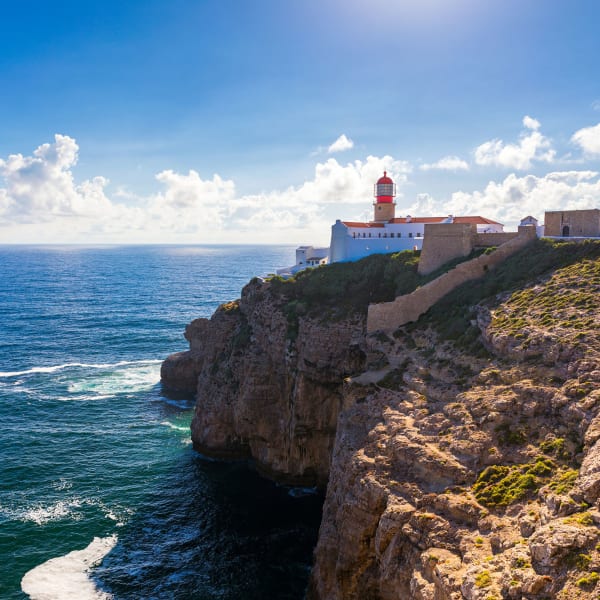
(501, 485)
(483, 579)
(564, 482)
(588, 581)
(556, 447)
(509, 436)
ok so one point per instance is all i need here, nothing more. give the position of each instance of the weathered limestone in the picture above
(266, 394)
(401, 520)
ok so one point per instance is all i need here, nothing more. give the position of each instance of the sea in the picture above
(101, 493)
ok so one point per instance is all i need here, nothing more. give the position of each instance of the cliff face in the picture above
(462, 476)
(461, 452)
(268, 387)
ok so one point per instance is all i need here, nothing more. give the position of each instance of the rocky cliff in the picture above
(464, 452)
(268, 384)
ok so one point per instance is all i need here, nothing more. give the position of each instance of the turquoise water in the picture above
(98, 475)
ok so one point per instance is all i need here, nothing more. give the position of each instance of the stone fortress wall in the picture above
(441, 245)
(575, 223)
(445, 242)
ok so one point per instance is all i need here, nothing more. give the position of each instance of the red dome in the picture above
(384, 179)
(385, 190)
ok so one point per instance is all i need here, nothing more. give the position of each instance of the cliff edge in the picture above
(460, 452)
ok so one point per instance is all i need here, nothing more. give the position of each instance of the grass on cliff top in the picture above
(350, 286)
(451, 316)
(567, 302)
(339, 289)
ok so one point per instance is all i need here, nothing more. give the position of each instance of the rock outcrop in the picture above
(267, 388)
(458, 466)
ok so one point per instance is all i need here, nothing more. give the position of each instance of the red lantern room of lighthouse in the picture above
(384, 205)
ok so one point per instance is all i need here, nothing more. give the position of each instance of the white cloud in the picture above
(42, 202)
(588, 139)
(448, 163)
(532, 146)
(515, 197)
(41, 187)
(334, 191)
(342, 144)
(531, 123)
(188, 202)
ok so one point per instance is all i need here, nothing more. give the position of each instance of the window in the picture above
(410, 234)
(392, 234)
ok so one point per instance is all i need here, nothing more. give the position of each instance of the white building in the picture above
(306, 256)
(351, 240)
(530, 221)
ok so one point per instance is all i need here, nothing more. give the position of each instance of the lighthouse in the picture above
(384, 207)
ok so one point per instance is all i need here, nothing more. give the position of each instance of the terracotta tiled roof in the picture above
(475, 220)
(357, 224)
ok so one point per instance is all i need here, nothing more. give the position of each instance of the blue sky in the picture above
(216, 120)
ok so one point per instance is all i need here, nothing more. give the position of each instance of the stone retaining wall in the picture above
(485, 240)
(388, 316)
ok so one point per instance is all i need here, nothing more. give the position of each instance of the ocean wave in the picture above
(119, 514)
(41, 514)
(170, 425)
(55, 368)
(67, 577)
(135, 378)
(70, 508)
(62, 484)
(70, 398)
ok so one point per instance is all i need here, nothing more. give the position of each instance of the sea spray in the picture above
(67, 577)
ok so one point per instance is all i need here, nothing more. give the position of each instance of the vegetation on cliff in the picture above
(453, 316)
(338, 290)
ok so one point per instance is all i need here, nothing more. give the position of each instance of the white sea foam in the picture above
(67, 577)
(132, 378)
(40, 514)
(118, 514)
(176, 427)
(55, 368)
(81, 397)
(62, 484)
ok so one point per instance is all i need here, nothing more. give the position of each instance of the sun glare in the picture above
(408, 14)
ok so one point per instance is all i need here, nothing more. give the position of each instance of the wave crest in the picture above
(55, 368)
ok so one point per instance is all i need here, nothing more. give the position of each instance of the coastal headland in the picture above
(459, 454)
